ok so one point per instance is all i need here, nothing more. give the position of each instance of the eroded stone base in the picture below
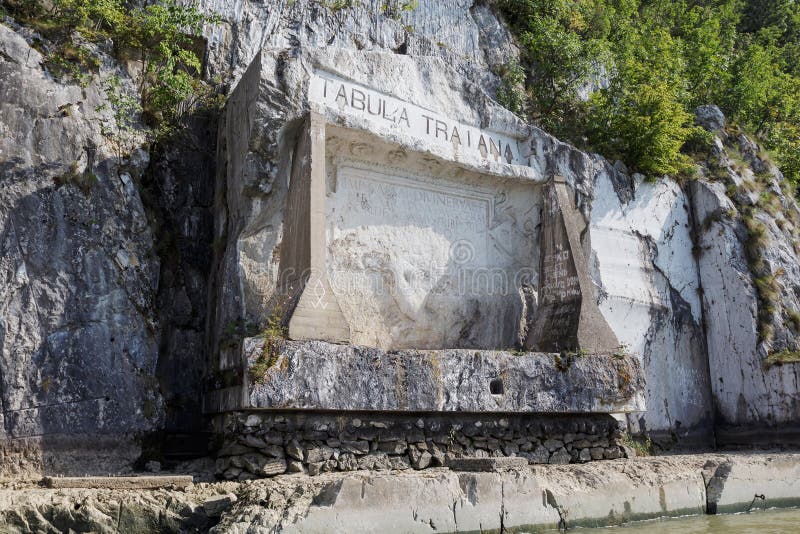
(260, 444)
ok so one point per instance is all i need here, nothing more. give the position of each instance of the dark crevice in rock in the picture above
(178, 192)
(621, 181)
(696, 233)
(402, 49)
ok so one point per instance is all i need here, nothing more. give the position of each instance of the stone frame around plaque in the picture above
(316, 312)
(566, 318)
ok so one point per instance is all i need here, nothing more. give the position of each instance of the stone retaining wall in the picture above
(260, 444)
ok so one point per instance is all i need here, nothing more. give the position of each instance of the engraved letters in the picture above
(350, 98)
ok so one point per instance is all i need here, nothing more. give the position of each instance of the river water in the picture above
(757, 522)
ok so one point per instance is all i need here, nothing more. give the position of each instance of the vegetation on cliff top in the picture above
(157, 38)
(655, 62)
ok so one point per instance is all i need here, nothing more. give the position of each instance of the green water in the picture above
(757, 522)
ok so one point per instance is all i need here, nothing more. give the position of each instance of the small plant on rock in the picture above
(274, 334)
(782, 357)
(621, 351)
(395, 8)
(158, 38)
(85, 180)
(338, 5)
(642, 445)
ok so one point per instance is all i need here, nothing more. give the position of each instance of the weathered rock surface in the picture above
(325, 376)
(195, 508)
(464, 33)
(746, 324)
(78, 271)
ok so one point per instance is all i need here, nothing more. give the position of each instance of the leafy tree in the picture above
(708, 38)
(784, 138)
(511, 92)
(640, 117)
(563, 45)
(661, 58)
(759, 14)
(649, 127)
(159, 35)
(758, 93)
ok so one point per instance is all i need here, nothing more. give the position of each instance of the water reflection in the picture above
(758, 522)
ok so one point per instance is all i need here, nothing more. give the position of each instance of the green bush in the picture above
(562, 44)
(511, 93)
(643, 125)
(159, 36)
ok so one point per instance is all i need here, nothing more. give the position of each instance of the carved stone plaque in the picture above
(417, 261)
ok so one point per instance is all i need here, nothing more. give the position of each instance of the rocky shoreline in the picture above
(440, 499)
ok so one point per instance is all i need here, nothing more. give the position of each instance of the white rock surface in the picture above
(649, 291)
(469, 36)
(746, 391)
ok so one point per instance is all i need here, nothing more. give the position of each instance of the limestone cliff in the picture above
(78, 265)
(98, 296)
(646, 238)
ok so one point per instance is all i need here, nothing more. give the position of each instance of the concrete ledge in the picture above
(314, 375)
(735, 486)
(125, 483)
(536, 499)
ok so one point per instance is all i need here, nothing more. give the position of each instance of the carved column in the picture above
(317, 314)
(567, 317)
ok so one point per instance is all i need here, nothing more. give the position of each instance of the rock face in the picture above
(749, 267)
(649, 286)
(180, 187)
(323, 376)
(462, 32)
(78, 342)
(101, 308)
